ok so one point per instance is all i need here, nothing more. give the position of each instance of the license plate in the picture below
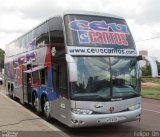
(110, 120)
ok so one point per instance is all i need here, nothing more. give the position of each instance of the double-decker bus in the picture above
(80, 68)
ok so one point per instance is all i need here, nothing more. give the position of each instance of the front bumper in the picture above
(103, 119)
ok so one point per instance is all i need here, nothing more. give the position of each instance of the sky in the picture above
(19, 16)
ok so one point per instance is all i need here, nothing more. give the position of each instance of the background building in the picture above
(143, 52)
(149, 65)
(143, 63)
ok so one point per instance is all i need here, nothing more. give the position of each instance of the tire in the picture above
(35, 102)
(9, 91)
(12, 92)
(13, 95)
(46, 108)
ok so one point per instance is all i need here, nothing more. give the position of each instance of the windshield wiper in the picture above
(99, 97)
(135, 93)
(91, 97)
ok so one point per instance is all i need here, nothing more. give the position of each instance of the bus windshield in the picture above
(105, 78)
(88, 30)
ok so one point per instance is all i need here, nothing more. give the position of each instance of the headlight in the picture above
(137, 106)
(81, 111)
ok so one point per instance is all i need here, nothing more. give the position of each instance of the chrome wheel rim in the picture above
(46, 108)
(36, 106)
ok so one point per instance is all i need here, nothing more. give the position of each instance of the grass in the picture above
(150, 87)
(152, 96)
(151, 93)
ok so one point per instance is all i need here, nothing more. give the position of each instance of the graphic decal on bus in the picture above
(24, 59)
(100, 32)
(33, 44)
(17, 65)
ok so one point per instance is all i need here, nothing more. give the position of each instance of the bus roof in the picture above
(92, 14)
(57, 24)
(51, 18)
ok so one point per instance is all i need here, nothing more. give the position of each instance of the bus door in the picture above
(60, 82)
(27, 83)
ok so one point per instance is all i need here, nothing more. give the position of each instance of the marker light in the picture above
(134, 107)
(81, 111)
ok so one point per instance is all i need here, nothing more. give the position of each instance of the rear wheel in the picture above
(9, 91)
(13, 95)
(35, 102)
(12, 92)
(46, 108)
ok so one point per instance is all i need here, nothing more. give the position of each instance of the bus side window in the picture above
(62, 80)
(43, 76)
(35, 77)
(55, 75)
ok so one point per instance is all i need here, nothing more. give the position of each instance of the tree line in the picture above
(146, 70)
(1, 58)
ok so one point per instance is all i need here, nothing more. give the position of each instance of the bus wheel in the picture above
(46, 108)
(35, 102)
(13, 95)
(9, 91)
(12, 92)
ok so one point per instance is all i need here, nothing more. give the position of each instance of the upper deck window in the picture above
(85, 30)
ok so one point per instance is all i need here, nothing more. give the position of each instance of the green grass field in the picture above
(151, 93)
(150, 87)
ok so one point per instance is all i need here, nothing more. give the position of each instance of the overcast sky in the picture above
(142, 16)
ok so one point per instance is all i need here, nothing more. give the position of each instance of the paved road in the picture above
(15, 117)
(148, 126)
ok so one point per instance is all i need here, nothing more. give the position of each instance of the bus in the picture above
(80, 68)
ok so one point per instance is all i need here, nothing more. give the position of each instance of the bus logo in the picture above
(100, 32)
(111, 109)
(98, 105)
(83, 36)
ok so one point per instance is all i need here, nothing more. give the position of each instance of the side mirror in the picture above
(139, 57)
(72, 68)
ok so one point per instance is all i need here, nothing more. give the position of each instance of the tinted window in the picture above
(55, 24)
(97, 31)
(103, 78)
(35, 76)
(43, 76)
(55, 30)
(31, 41)
(93, 79)
(42, 35)
(124, 76)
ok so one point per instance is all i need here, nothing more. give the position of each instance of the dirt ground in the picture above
(149, 85)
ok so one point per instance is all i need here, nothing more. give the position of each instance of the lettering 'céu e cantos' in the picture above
(101, 32)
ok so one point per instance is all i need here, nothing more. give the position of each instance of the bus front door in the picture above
(26, 84)
(60, 82)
